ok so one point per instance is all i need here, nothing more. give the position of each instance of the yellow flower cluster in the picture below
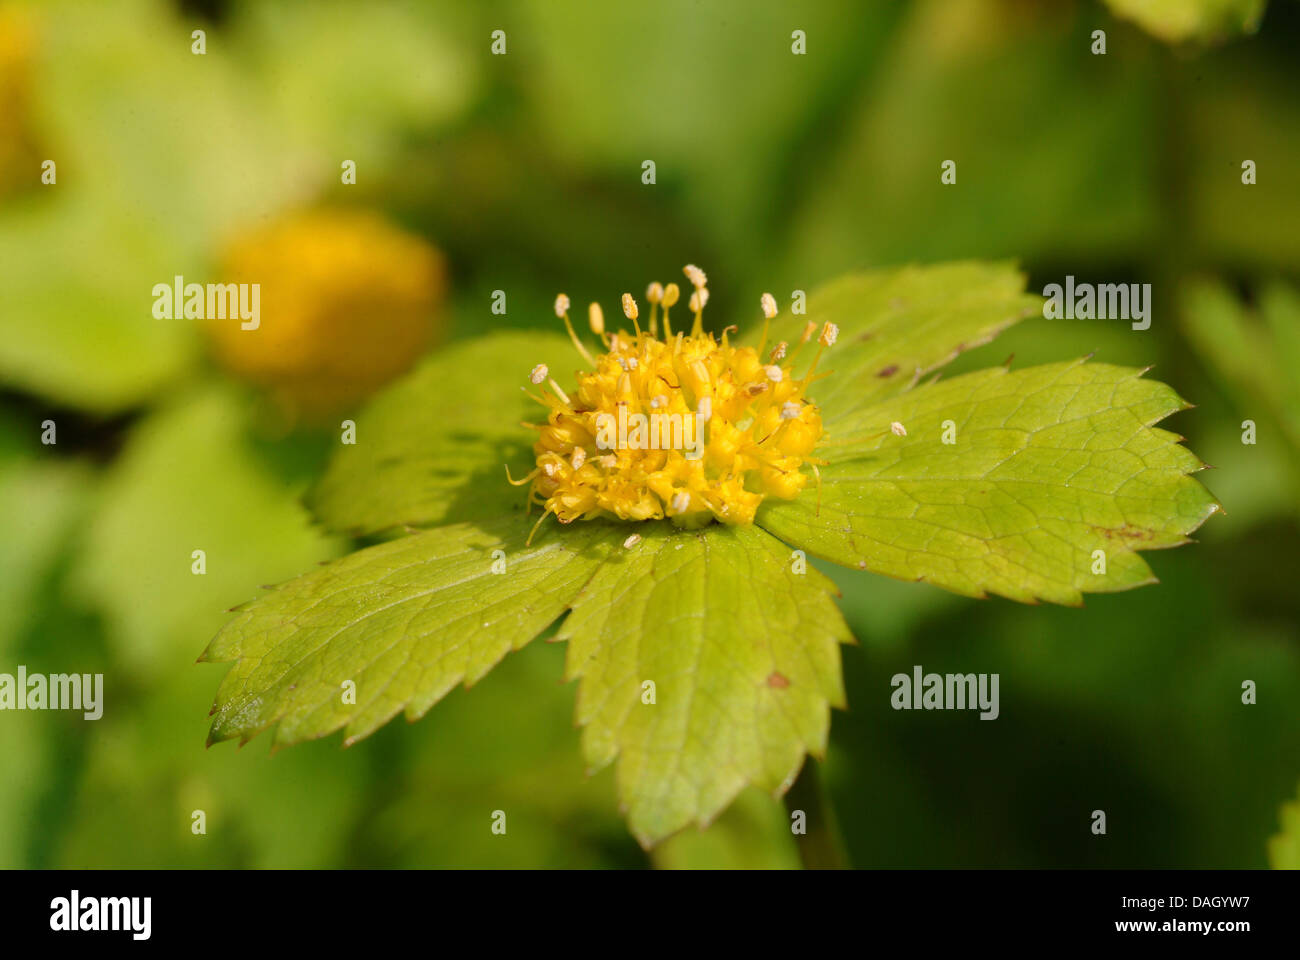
(676, 425)
(348, 302)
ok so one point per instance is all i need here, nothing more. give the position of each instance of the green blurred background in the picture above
(774, 171)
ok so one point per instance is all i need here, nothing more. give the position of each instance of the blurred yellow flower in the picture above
(18, 161)
(348, 302)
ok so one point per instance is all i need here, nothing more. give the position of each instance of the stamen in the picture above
(558, 392)
(898, 429)
(809, 329)
(562, 311)
(671, 293)
(539, 373)
(768, 303)
(522, 480)
(698, 299)
(596, 320)
(654, 293)
(533, 532)
(828, 336)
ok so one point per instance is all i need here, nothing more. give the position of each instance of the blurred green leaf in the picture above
(1236, 105)
(1255, 352)
(27, 747)
(1284, 848)
(40, 503)
(1047, 465)
(752, 834)
(506, 745)
(742, 650)
(77, 324)
(712, 93)
(1176, 21)
(1043, 135)
(145, 773)
(188, 479)
(177, 145)
(369, 78)
(434, 446)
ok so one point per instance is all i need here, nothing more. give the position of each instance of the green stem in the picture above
(820, 847)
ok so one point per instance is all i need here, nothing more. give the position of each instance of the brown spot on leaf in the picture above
(1126, 532)
(777, 681)
(889, 371)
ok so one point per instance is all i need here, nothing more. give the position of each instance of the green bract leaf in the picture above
(897, 325)
(403, 622)
(743, 654)
(1046, 466)
(434, 447)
